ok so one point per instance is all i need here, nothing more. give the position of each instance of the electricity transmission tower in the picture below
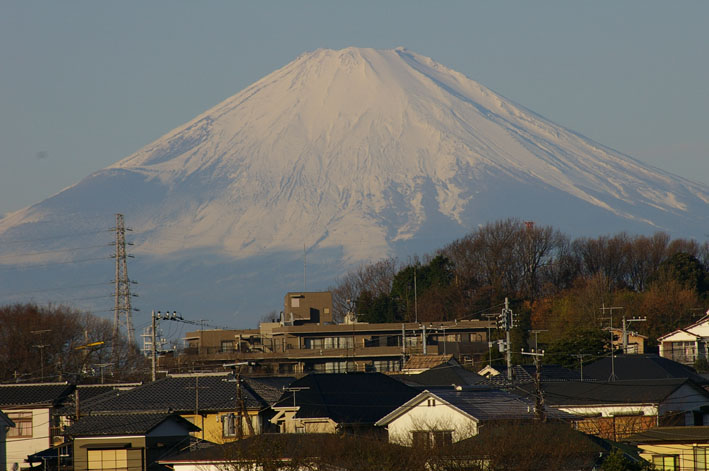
(122, 309)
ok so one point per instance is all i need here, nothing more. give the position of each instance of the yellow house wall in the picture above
(685, 452)
(211, 425)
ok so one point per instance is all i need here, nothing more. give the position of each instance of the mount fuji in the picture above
(338, 158)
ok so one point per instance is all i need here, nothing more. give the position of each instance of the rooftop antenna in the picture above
(603, 310)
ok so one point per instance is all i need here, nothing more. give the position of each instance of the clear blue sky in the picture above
(86, 83)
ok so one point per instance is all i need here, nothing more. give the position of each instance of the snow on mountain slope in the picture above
(365, 153)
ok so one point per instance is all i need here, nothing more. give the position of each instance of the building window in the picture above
(23, 425)
(116, 460)
(294, 302)
(701, 463)
(431, 438)
(666, 462)
(229, 425)
(227, 346)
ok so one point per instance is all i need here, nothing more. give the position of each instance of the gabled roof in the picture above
(444, 375)
(703, 320)
(123, 424)
(347, 398)
(37, 395)
(648, 366)
(479, 404)
(587, 393)
(691, 434)
(185, 393)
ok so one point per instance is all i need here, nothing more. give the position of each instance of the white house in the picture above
(438, 417)
(687, 345)
(32, 408)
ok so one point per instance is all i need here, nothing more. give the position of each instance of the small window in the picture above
(23, 425)
(294, 302)
(431, 438)
(227, 346)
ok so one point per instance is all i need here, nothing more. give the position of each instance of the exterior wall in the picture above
(3, 446)
(684, 452)
(308, 307)
(616, 428)
(425, 417)
(686, 345)
(685, 398)
(288, 424)
(18, 448)
(212, 425)
(83, 445)
(610, 411)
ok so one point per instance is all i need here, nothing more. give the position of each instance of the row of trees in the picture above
(556, 283)
(43, 343)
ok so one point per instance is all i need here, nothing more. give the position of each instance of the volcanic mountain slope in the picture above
(360, 154)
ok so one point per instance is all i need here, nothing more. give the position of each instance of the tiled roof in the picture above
(494, 404)
(347, 398)
(33, 395)
(526, 374)
(122, 424)
(186, 393)
(425, 362)
(443, 375)
(647, 366)
(579, 393)
(691, 434)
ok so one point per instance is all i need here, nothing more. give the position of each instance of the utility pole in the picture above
(580, 356)
(122, 309)
(625, 331)
(241, 404)
(416, 306)
(489, 337)
(610, 309)
(41, 347)
(539, 412)
(508, 320)
(154, 355)
(536, 332)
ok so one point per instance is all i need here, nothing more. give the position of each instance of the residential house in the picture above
(338, 402)
(687, 345)
(617, 409)
(522, 374)
(5, 424)
(633, 344)
(212, 401)
(445, 375)
(445, 416)
(675, 448)
(128, 442)
(33, 408)
(307, 339)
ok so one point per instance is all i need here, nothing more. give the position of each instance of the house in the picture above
(639, 367)
(211, 401)
(416, 364)
(445, 416)
(5, 424)
(307, 339)
(674, 448)
(687, 345)
(129, 442)
(338, 402)
(634, 343)
(33, 408)
(615, 410)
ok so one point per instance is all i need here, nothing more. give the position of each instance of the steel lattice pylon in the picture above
(123, 312)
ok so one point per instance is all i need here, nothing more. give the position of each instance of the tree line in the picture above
(555, 282)
(59, 343)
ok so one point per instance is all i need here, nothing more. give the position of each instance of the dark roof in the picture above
(347, 398)
(123, 424)
(34, 395)
(526, 373)
(180, 394)
(647, 366)
(443, 375)
(609, 393)
(672, 435)
(494, 404)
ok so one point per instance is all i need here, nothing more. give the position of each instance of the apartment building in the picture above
(307, 339)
